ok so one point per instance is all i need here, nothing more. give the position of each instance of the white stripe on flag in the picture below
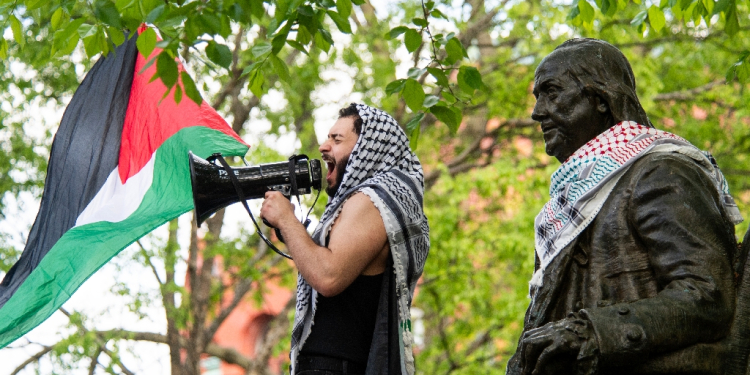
(116, 201)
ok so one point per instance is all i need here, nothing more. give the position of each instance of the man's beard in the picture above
(340, 172)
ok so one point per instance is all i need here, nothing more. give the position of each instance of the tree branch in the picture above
(240, 290)
(460, 163)
(227, 355)
(32, 359)
(150, 264)
(675, 38)
(102, 345)
(688, 94)
(94, 361)
(278, 328)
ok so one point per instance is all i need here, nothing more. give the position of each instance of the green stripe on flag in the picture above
(82, 250)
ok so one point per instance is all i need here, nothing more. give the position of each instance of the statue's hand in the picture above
(554, 346)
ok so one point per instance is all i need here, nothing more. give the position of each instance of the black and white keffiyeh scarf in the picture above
(383, 167)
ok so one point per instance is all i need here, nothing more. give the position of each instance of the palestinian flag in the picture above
(118, 169)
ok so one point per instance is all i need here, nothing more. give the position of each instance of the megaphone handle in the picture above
(277, 230)
(241, 195)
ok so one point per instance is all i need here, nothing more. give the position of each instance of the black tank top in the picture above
(344, 324)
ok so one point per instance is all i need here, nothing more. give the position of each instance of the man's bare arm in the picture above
(357, 242)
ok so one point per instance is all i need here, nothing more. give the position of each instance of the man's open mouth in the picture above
(330, 165)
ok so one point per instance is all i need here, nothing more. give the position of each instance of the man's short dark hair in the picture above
(351, 111)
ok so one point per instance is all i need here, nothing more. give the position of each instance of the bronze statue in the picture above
(635, 251)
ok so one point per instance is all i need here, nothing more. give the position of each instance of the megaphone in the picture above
(213, 188)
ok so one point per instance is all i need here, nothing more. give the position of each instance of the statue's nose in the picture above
(539, 112)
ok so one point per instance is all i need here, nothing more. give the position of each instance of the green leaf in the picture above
(358, 2)
(155, 13)
(57, 18)
(575, 12)
(743, 72)
(15, 25)
(414, 122)
(253, 66)
(86, 30)
(656, 18)
(341, 22)
(116, 35)
(414, 137)
(177, 94)
(34, 4)
(722, 6)
(303, 35)
(455, 50)
(412, 40)
(446, 116)
(325, 35)
(448, 96)
(146, 42)
(107, 12)
(256, 83)
(732, 24)
(469, 77)
(413, 94)
(296, 45)
(211, 23)
(278, 43)
(65, 46)
(166, 68)
(587, 11)
(395, 86)
(430, 100)
(95, 42)
(190, 89)
(396, 31)
(677, 12)
(639, 18)
(438, 14)
(421, 22)
(440, 76)
(306, 10)
(257, 9)
(344, 7)
(413, 129)
(322, 42)
(219, 54)
(3, 48)
(415, 72)
(279, 66)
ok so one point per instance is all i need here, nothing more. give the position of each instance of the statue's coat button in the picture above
(634, 334)
(623, 310)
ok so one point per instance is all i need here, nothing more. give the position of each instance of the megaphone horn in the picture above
(213, 189)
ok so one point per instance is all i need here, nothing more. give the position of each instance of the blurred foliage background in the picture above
(468, 116)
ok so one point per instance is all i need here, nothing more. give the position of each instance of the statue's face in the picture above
(569, 116)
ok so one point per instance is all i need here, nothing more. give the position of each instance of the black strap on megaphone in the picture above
(241, 195)
(293, 175)
(295, 191)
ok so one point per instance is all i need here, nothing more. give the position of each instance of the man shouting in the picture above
(635, 248)
(358, 271)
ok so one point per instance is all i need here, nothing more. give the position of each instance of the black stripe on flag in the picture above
(84, 152)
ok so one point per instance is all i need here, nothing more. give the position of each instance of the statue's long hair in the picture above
(601, 69)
